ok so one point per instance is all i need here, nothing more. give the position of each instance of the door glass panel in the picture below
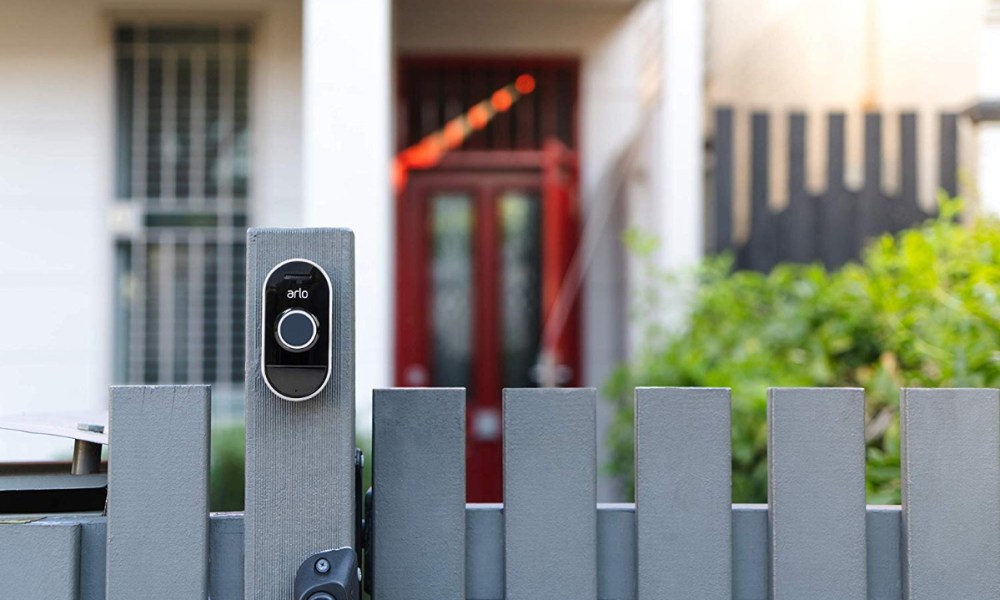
(521, 287)
(452, 225)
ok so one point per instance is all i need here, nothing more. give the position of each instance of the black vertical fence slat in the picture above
(762, 247)
(837, 206)
(799, 235)
(873, 151)
(833, 225)
(870, 204)
(948, 166)
(835, 128)
(908, 141)
(723, 175)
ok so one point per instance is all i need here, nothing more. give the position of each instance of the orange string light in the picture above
(525, 84)
(502, 100)
(479, 117)
(428, 152)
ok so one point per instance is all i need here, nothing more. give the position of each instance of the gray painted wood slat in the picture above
(550, 494)
(158, 492)
(38, 560)
(750, 552)
(419, 490)
(951, 493)
(816, 492)
(683, 454)
(300, 455)
(884, 575)
(616, 552)
(484, 552)
(226, 567)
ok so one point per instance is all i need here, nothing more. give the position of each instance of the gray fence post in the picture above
(550, 493)
(300, 455)
(158, 492)
(951, 493)
(816, 493)
(683, 493)
(419, 492)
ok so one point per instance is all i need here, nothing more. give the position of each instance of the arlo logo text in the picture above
(300, 294)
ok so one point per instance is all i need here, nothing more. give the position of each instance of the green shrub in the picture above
(922, 309)
(226, 477)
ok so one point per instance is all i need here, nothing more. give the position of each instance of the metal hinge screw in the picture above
(322, 566)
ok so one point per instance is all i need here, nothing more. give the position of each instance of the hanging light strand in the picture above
(428, 152)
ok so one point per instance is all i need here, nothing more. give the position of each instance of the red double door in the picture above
(484, 284)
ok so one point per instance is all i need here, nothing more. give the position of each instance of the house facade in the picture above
(488, 155)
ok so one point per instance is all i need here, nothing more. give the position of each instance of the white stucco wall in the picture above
(56, 174)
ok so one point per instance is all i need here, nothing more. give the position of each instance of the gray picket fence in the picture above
(683, 539)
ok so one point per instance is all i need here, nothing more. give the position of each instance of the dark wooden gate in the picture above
(832, 226)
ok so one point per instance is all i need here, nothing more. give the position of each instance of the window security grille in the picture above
(181, 211)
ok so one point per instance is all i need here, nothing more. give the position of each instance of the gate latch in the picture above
(329, 575)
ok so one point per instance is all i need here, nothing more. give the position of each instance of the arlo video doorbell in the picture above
(296, 351)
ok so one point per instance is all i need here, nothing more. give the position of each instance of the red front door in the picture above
(484, 241)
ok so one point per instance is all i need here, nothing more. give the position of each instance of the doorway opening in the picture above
(485, 236)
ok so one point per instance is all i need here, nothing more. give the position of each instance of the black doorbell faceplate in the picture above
(298, 309)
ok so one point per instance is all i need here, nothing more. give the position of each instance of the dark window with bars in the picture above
(183, 167)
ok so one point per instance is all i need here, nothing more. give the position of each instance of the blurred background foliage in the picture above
(920, 310)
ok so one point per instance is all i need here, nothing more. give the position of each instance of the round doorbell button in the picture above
(296, 330)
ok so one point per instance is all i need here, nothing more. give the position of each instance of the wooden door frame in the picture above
(457, 171)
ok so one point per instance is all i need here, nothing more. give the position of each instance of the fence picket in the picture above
(419, 490)
(550, 494)
(750, 552)
(226, 574)
(683, 493)
(884, 575)
(38, 560)
(93, 558)
(158, 492)
(816, 493)
(951, 493)
(484, 575)
(616, 552)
